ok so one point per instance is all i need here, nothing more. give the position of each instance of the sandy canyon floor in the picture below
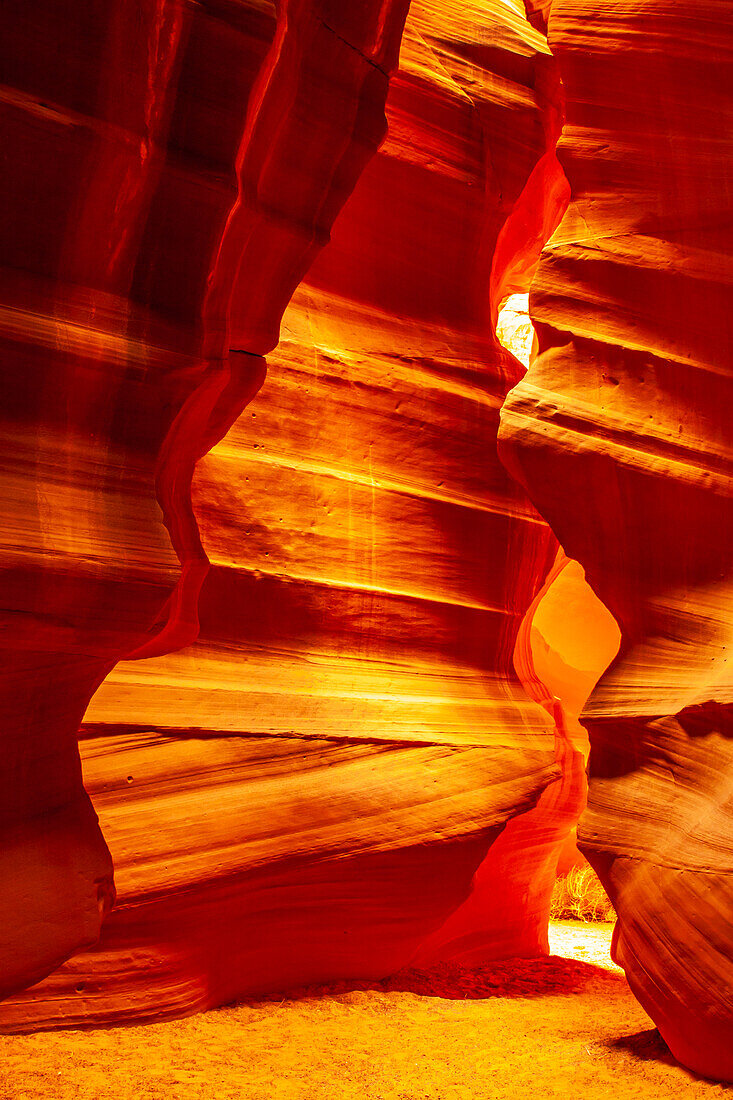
(565, 1026)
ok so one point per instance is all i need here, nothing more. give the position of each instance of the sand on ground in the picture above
(553, 1027)
(591, 943)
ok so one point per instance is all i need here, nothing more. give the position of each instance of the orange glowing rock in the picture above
(308, 790)
(335, 658)
(120, 261)
(621, 433)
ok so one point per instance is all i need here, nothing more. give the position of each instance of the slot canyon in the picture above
(366, 520)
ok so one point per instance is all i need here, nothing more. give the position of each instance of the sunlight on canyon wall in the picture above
(514, 329)
(328, 661)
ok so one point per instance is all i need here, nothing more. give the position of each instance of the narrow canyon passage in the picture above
(365, 468)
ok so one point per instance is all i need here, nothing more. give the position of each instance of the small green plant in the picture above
(578, 895)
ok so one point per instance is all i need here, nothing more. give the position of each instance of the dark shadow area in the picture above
(649, 1046)
(515, 978)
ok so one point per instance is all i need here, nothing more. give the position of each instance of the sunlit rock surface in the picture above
(621, 431)
(354, 742)
(149, 148)
(308, 790)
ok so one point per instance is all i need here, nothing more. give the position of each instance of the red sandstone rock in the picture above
(371, 754)
(339, 749)
(621, 434)
(161, 131)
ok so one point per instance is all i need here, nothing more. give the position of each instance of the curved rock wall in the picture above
(621, 434)
(145, 141)
(369, 751)
(307, 791)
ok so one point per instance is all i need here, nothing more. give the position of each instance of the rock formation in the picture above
(308, 790)
(152, 150)
(620, 431)
(342, 659)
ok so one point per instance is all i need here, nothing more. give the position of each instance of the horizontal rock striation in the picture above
(307, 791)
(620, 431)
(336, 661)
(145, 141)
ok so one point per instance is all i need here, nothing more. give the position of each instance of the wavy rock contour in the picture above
(620, 433)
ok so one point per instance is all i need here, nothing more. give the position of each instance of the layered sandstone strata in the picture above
(150, 148)
(308, 790)
(370, 752)
(621, 434)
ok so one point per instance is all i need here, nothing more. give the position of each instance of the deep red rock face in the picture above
(308, 791)
(149, 151)
(354, 740)
(621, 433)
